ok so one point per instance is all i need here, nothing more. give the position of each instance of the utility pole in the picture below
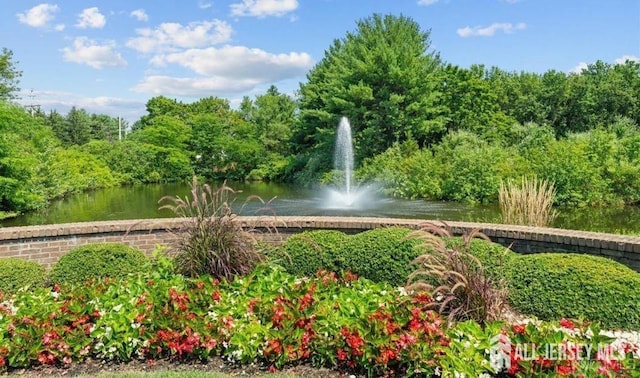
(31, 105)
(119, 128)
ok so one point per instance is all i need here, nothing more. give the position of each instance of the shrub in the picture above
(455, 278)
(306, 253)
(553, 286)
(528, 203)
(380, 255)
(18, 273)
(210, 240)
(96, 261)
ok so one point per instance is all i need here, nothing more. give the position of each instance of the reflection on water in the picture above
(141, 202)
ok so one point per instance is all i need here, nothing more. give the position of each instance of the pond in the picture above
(141, 202)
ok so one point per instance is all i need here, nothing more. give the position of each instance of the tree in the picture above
(472, 103)
(76, 128)
(9, 76)
(382, 78)
(273, 114)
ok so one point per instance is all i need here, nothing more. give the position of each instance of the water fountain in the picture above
(347, 195)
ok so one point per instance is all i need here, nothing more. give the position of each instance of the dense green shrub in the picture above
(95, 261)
(310, 251)
(18, 273)
(553, 286)
(381, 255)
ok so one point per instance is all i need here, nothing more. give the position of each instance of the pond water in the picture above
(141, 202)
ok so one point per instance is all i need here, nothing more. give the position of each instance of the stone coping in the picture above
(295, 223)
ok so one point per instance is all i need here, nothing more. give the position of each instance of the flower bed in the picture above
(276, 320)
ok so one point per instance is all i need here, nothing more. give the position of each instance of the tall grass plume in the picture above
(528, 202)
(210, 240)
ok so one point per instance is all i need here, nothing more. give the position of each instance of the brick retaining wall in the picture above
(45, 244)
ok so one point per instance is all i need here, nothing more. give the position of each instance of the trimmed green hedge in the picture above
(551, 286)
(305, 253)
(96, 261)
(381, 255)
(17, 273)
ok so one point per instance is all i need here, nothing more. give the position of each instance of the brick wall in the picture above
(46, 244)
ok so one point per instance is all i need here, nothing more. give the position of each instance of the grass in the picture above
(527, 203)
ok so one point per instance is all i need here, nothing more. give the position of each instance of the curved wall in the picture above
(45, 244)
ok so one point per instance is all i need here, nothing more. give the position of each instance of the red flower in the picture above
(306, 301)
(349, 276)
(565, 369)
(386, 355)
(566, 323)
(422, 298)
(216, 296)
(405, 340)
(46, 358)
(342, 355)
(519, 329)
(274, 346)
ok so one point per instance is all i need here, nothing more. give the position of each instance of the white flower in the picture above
(117, 308)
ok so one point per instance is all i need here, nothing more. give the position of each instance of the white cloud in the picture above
(240, 62)
(38, 16)
(91, 18)
(511, 1)
(227, 70)
(192, 87)
(263, 8)
(93, 54)
(624, 58)
(140, 15)
(427, 2)
(204, 5)
(62, 102)
(172, 36)
(59, 27)
(489, 31)
(578, 68)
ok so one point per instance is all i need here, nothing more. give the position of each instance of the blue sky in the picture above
(111, 56)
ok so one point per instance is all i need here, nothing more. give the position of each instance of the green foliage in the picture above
(210, 241)
(380, 77)
(97, 261)
(17, 273)
(552, 286)
(25, 145)
(381, 255)
(306, 253)
(72, 170)
(9, 76)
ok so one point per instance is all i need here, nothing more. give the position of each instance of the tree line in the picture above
(426, 127)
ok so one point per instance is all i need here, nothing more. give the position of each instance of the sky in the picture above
(112, 56)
